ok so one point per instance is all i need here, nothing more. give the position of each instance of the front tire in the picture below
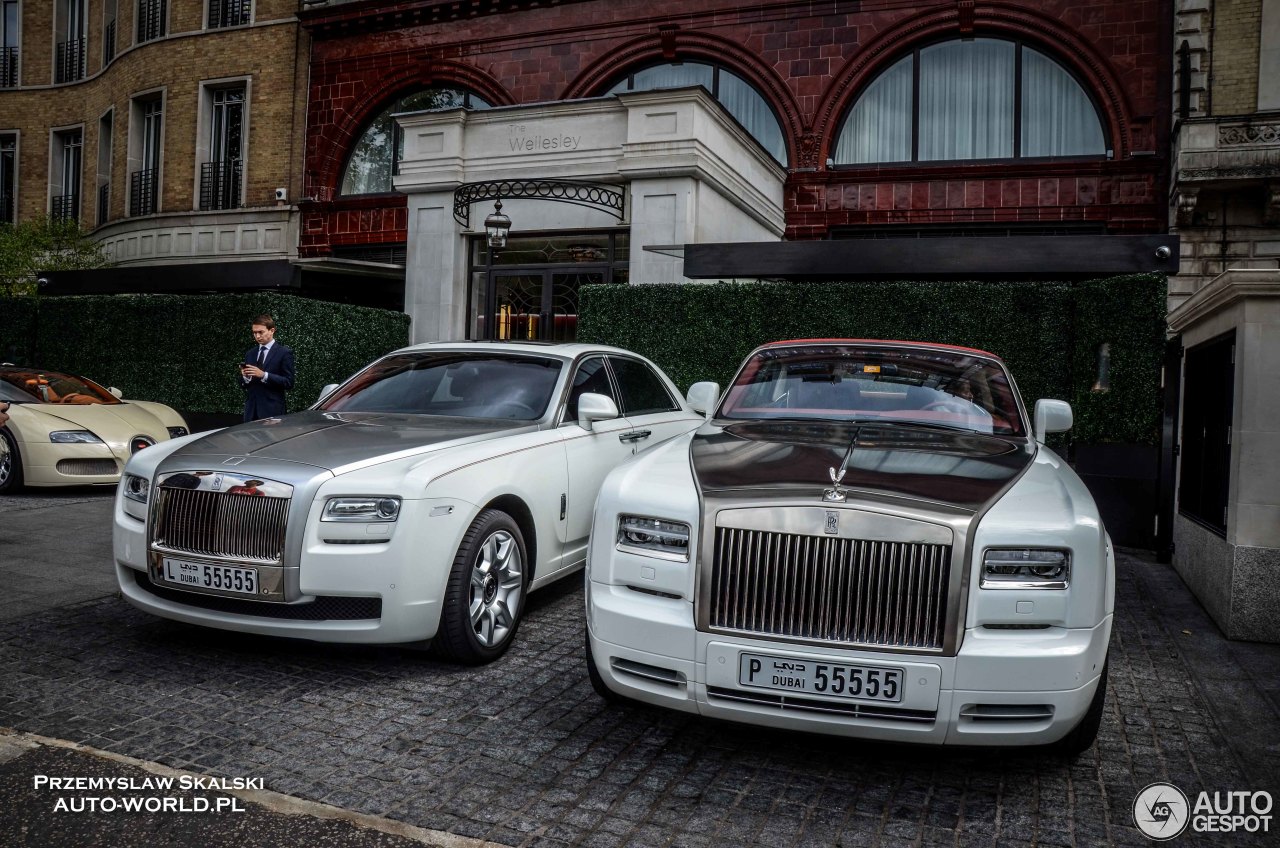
(484, 599)
(10, 463)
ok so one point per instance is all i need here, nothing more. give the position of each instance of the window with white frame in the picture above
(8, 177)
(152, 19)
(106, 141)
(9, 41)
(110, 9)
(977, 98)
(145, 147)
(229, 13)
(69, 40)
(222, 171)
(64, 174)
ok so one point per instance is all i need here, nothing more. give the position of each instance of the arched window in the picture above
(980, 98)
(376, 156)
(736, 95)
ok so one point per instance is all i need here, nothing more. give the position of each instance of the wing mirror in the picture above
(702, 397)
(1052, 416)
(116, 392)
(326, 391)
(594, 407)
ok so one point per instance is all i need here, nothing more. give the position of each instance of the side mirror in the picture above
(703, 396)
(594, 407)
(1052, 416)
(119, 394)
(326, 391)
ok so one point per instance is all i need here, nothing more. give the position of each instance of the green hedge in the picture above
(17, 329)
(182, 350)
(1048, 333)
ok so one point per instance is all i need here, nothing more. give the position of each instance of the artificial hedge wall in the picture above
(183, 350)
(1047, 333)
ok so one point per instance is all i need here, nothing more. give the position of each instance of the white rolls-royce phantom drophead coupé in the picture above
(420, 500)
(865, 538)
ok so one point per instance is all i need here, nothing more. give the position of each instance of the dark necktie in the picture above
(262, 354)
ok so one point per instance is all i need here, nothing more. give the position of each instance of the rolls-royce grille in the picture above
(220, 524)
(828, 589)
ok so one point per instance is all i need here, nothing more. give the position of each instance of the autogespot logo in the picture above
(1160, 811)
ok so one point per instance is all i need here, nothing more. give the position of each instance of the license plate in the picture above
(219, 578)
(824, 679)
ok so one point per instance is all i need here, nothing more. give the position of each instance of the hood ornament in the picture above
(836, 494)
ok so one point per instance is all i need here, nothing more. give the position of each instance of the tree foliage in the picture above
(44, 244)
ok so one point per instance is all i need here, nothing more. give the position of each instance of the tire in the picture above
(10, 464)
(597, 682)
(1082, 737)
(484, 598)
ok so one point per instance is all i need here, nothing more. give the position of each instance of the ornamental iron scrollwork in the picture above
(609, 198)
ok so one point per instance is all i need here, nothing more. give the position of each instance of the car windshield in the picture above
(851, 382)
(451, 383)
(52, 387)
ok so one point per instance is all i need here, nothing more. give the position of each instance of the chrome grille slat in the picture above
(838, 590)
(220, 524)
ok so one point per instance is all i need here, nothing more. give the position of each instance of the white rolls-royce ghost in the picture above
(420, 500)
(868, 539)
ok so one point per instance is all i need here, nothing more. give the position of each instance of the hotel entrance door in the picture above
(539, 304)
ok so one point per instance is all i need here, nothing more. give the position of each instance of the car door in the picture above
(647, 402)
(590, 454)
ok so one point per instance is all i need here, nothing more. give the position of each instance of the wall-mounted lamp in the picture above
(496, 227)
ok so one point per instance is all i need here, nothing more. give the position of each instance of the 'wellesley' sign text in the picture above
(521, 141)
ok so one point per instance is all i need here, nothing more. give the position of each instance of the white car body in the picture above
(377, 581)
(1010, 664)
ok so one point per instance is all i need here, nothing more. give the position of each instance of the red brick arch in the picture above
(1046, 34)
(672, 45)
(329, 144)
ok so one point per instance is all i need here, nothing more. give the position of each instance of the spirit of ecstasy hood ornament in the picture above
(836, 494)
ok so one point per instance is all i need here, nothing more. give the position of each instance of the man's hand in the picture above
(253, 372)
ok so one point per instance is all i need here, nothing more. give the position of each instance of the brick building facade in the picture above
(164, 126)
(810, 66)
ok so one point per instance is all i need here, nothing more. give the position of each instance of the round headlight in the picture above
(388, 508)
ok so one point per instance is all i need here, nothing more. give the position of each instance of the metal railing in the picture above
(227, 13)
(220, 184)
(104, 203)
(108, 43)
(151, 19)
(68, 62)
(8, 67)
(65, 207)
(142, 192)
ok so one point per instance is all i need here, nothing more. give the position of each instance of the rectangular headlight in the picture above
(1026, 568)
(372, 509)
(176, 432)
(74, 437)
(136, 488)
(655, 537)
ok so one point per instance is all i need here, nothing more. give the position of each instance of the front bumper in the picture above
(1005, 687)
(385, 592)
(48, 464)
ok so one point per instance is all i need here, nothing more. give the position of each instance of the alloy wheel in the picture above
(496, 579)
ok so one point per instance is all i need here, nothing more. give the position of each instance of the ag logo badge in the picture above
(1161, 811)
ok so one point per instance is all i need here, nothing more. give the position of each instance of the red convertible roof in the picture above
(885, 342)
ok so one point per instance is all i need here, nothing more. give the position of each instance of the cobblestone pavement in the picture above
(522, 752)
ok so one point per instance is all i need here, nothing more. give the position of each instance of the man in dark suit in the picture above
(266, 373)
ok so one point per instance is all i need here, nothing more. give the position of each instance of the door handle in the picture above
(635, 436)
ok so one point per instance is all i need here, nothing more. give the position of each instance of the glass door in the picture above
(536, 304)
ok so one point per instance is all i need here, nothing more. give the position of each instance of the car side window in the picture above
(643, 391)
(592, 377)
